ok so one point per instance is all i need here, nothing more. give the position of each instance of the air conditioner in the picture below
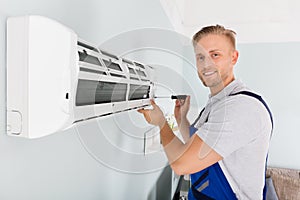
(55, 79)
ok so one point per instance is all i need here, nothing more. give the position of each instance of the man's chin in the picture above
(212, 84)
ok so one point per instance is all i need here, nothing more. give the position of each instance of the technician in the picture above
(225, 149)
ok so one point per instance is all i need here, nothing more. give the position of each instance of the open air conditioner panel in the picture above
(81, 83)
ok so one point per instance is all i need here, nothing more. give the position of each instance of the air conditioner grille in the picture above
(112, 65)
(97, 92)
(138, 92)
(141, 73)
(131, 70)
(84, 57)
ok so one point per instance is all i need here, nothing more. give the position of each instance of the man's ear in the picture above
(235, 57)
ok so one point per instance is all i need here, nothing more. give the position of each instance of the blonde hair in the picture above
(217, 30)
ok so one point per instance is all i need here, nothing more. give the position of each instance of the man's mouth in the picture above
(208, 73)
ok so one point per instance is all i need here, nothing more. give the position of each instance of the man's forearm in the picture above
(173, 146)
(184, 128)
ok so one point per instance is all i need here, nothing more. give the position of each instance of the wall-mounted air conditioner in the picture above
(55, 79)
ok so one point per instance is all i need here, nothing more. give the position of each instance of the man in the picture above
(225, 150)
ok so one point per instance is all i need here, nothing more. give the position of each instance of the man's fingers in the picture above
(146, 113)
(187, 99)
(152, 102)
(177, 102)
(141, 110)
(182, 101)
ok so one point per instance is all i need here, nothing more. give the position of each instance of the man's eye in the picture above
(201, 58)
(215, 55)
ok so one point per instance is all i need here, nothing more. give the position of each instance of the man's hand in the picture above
(154, 116)
(181, 109)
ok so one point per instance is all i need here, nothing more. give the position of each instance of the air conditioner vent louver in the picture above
(141, 73)
(117, 75)
(84, 57)
(139, 65)
(131, 71)
(87, 46)
(83, 69)
(112, 65)
(109, 55)
(134, 78)
(127, 61)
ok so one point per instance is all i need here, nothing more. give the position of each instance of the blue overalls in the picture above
(211, 183)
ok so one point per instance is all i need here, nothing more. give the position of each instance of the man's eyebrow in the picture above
(199, 54)
(215, 50)
(211, 51)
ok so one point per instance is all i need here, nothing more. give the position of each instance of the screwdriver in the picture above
(183, 96)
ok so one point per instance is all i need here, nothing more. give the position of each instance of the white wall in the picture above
(274, 19)
(272, 69)
(103, 159)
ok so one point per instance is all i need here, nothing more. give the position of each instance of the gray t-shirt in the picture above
(238, 128)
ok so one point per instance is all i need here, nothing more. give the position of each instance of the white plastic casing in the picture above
(40, 53)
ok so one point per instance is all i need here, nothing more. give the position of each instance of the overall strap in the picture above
(192, 128)
(251, 94)
(193, 124)
(256, 96)
(248, 93)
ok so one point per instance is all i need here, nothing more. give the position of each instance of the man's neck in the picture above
(215, 90)
(218, 88)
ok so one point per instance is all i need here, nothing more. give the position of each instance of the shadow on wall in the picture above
(162, 188)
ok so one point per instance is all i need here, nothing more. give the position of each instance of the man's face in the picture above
(215, 58)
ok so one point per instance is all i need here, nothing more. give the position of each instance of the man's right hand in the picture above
(181, 109)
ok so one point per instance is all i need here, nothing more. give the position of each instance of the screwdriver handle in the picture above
(179, 97)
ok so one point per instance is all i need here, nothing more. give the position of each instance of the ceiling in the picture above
(254, 21)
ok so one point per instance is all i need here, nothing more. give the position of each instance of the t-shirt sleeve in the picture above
(233, 124)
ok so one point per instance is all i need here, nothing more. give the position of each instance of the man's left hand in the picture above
(154, 116)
